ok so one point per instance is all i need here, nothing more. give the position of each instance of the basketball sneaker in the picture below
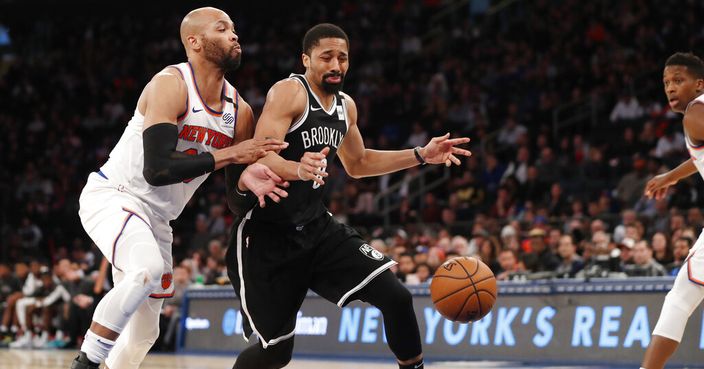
(81, 362)
(25, 341)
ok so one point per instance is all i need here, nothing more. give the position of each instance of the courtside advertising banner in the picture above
(559, 322)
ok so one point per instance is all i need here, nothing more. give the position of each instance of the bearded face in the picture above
(332, 82)
(226, 58)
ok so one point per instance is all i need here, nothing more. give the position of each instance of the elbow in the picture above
(355, 175)
(153, 178)
(354, 170)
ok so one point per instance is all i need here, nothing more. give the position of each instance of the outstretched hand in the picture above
(263, 182)
(442, 150)
(658, 185)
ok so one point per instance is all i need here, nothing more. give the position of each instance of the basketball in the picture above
(463, 289)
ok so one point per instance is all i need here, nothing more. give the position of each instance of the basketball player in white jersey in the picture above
(683, 80)
(189, 121)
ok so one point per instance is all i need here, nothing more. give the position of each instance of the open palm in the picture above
(259, 179)
(443, 150)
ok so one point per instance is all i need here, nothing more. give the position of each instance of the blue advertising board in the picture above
(607, 322)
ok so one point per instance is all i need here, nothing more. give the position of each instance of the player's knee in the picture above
(402, 295)
(149, 273)
(396, 296)
(280, 354)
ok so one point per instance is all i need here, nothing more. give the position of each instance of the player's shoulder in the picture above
(348, 98)
(349, 101)
(695, 111)
(244, 107)
(288, 89)
(289, 84)
(169, 78)
(170, 71)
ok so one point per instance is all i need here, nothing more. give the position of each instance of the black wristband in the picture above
(416, 152)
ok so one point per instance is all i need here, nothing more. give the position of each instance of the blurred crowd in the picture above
(540, 198)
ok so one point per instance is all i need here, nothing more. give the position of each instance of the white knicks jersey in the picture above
(201, 129)
(695, 151)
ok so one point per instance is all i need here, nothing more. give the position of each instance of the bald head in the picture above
(195, 22)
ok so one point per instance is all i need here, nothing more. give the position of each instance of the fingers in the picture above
(456, 141)
(274, 197)
(454, 160)
(319, 156)
(272, 175)
(325, 151)
(269, 141)
(277, 194)
(274, 146)
(463, 152)
(441, 138)
(262, 202)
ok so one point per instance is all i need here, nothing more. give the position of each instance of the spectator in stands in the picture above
(662, 250)
(626, 110)
(571, 263)
(509, 237)
(695, 219)
(406, 266)
(202, 235)
(671, 146)
(488, 253)
(424, 272)
(643, 263)
(418, 137)
(85, 293)
(679, 254)
(557, 202)
(511, 133)
(548, 168)
(510, 265)
(677, 221)
(628, 217)
(9, 286)
(630, 188)
(540, 258)
(492, 173)
(625, 255)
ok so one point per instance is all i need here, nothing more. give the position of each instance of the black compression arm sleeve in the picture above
(163, 165)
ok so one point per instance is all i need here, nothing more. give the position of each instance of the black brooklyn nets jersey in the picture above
(313, 131)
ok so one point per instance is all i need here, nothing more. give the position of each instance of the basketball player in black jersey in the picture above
(280, 251)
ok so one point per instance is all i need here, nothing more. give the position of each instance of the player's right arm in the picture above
(658, 185)
(164, 98)
(285, 102)
(693, 119)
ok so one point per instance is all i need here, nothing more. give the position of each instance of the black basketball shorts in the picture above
(272, 267)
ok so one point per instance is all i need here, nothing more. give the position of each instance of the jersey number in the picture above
(190, 152)
(316, 185)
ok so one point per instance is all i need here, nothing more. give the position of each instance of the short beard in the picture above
(216, 55)
(332, 88)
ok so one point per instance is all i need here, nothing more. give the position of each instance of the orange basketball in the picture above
(463, 289)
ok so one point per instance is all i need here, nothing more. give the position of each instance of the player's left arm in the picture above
(362, 162)
(248, 184)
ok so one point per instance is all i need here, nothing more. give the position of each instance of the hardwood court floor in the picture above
(61, 359)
